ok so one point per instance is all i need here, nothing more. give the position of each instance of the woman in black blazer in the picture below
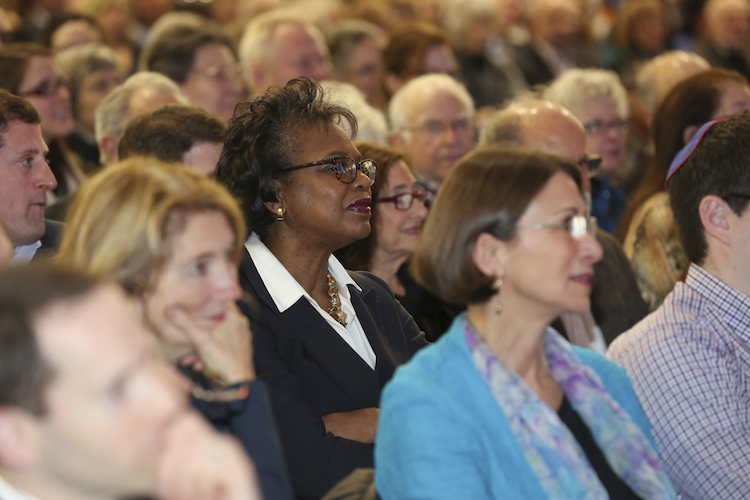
(325, 340)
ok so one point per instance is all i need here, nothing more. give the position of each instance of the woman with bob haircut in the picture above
(172, 239)
(502, 406)
(324, 339)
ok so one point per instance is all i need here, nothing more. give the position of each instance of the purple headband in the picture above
(686, 151)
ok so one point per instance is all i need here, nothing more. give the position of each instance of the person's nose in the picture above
(590, 249)
(226, 286)
(418, 209)
(46, 181)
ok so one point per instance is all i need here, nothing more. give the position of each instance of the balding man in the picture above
(726, 35)
(141, 93)
(616, 303)
(432, 120)
(280, 45)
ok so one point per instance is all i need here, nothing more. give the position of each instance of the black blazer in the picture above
(311, 372)
(53, 231)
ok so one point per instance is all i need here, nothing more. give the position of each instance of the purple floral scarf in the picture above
(551, 450)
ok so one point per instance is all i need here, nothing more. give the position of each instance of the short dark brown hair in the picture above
(486, 192)
(15, 109)
(719, 165)
(169, 131)
(25, 293)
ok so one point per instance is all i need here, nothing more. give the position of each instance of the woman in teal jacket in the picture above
(502, 406)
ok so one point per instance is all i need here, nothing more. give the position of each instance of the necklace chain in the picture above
(333, 294)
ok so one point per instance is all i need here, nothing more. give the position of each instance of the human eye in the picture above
(198, 268)
(433, 127)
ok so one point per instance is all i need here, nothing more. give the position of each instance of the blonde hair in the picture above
(123, 219)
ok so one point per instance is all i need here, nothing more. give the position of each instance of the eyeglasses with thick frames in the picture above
(47, 88)
(344, 167)
(577, 226)
(404, 201)
(590, 163)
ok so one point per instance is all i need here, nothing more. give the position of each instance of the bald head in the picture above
(657, 77)
(538, 126)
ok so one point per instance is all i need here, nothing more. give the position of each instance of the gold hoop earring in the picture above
(280, 214)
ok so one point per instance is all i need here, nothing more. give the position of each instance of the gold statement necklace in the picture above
(333, 294)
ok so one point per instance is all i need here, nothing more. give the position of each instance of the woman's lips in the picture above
(361, 206)
(584, 279)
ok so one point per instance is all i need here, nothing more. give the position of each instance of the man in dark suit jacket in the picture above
(311, 372)
(25, 179)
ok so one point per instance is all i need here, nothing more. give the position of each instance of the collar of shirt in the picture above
(730, 304)
(283, 288)
(24, 253)
(8, 492)
(285, 292)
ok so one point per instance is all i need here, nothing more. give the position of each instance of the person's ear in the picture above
(108, 145)
(490, 255)
(20, 439)
(714, 213)
(397, 140)
(689, 132)
(274, 206)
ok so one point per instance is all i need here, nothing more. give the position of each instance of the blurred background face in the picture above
(557, 22)
(94, 87)
(76, 32)
(43, 87)
(365, 68)
(398, 230)
(734, 99)
(648, 32)
(440, 59)
(606, 131)
(297, 52)
(214, 83)
(727, 23)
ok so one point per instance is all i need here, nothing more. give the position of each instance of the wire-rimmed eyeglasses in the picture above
(344, 167)
(577, 226)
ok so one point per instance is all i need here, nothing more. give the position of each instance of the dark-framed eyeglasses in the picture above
(577, 226)
(47, 88)
(590, 164)
(344, 167)
(404, 201)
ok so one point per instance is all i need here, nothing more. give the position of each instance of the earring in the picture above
(280, 214)
(498, 286)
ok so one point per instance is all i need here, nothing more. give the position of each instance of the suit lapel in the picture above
(332, 352)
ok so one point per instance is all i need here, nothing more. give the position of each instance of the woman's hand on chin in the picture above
(223, 351)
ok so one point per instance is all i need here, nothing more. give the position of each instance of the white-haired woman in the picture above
(600, 101)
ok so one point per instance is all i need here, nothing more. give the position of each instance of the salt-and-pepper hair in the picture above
(576, 87)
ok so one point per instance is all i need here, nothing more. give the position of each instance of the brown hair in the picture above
(14, 60)
(357, 256)
(486, 192)
(691, 102)
(407, 47)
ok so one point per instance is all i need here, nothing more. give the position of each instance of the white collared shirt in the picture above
(23, 255)
(8, 492)
(285, 292)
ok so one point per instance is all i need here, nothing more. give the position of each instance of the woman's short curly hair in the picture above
(262, 139)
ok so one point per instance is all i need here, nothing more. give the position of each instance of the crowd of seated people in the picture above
(374, 248)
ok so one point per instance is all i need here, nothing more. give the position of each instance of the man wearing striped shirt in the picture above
(690, 359)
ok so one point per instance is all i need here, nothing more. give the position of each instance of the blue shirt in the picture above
(607, 204)
(690, 365)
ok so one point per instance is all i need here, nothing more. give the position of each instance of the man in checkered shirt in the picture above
(690, 359)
